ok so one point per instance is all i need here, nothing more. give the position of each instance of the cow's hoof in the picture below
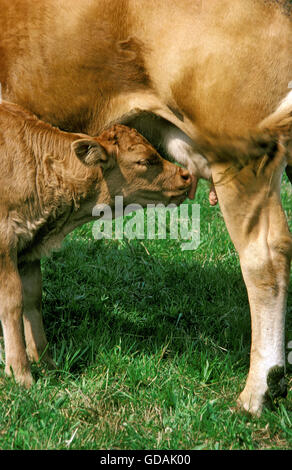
(252, 400)
(251, 403)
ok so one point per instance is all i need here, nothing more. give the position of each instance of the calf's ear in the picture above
(90, 152)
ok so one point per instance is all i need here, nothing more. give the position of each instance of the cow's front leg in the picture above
(251, 205)
(11, 305)
(35, 336)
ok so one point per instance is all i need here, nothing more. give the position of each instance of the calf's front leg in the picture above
(11, 306)
(251, 205)
(35, 336)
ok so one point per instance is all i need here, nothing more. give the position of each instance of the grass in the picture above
(152, 347)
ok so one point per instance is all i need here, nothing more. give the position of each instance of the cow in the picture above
(50, 183)
(190, 68)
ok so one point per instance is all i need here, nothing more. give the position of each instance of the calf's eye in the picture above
(143, 162)
(148, 162)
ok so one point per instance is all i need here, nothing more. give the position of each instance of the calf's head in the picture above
(132, 168)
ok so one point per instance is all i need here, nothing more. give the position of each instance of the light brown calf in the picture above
(50, 181)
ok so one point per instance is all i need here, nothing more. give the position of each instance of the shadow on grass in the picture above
(110, 293)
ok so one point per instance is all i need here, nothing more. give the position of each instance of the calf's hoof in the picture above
(41, 357)
(23, 377)
(51, 365)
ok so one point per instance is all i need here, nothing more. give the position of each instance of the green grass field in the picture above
(152, 347)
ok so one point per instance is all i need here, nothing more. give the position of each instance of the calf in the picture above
(50, 182)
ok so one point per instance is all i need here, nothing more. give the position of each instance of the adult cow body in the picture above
(203, 65)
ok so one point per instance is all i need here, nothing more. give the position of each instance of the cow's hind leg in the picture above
(11, 303)
(251, 205)
(35, 337)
